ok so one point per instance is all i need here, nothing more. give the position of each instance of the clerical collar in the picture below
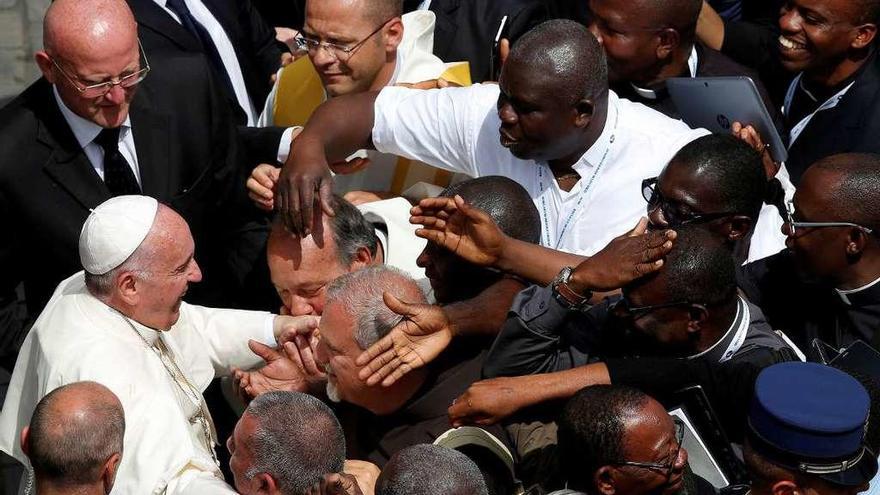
(84, 130)
(656, 94)
(869, 292)
(733, 338)
(149, 335)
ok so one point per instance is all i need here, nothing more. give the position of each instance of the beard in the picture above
(333, 392)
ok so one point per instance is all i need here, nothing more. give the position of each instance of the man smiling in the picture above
(832, 106)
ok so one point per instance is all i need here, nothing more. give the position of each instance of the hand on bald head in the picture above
(86, 29)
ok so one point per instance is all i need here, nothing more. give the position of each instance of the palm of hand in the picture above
(417, 344)
(282, 374)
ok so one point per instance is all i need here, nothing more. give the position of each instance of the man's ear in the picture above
(668, 41)
(393, 34)
(785, 487)
(856, 242)
(108, 472)
(266, 484)
(603, 480)
(699, 314)
(585, 109)
(127, 287)
(362, 259)
(24, 438)
(44, 62)
(865, 35)
(738, 226)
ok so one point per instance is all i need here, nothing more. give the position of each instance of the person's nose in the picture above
(301, 306)
(594, 28)
(789, 20)
(116, 95)
(195, 273)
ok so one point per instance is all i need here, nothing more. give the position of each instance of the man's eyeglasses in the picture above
(791, 225)
(339, 52)
(622, 309)
(671, 215)
(96, 90)
(669, 466)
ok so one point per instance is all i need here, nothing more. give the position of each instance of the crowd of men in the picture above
(442, 247)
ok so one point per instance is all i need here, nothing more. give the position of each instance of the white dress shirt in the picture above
(226, 51)
(78, 337)
(457, 129)
(86, 131)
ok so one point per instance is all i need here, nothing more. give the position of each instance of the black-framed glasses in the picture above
(339, 52)
(622, 309)
(671, 216)
(791, 225)
(665, 468)
(102, 88)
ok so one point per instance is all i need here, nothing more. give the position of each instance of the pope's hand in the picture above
(487, 402)
(413, 343)
(336, 484)
(466, 231)
(626, 258)
(261, 186)
(287, 327)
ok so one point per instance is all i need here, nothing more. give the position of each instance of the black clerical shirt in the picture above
(807, 310)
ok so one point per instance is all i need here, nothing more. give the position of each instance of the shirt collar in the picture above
(869, 292)
(650, 94)
(594, 155)
(84, 130)
(720, 351)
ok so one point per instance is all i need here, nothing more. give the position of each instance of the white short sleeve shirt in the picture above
(457, 129)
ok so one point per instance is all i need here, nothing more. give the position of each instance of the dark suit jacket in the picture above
(466, 29)
(252, 38)
(189, 158)
(852, 126)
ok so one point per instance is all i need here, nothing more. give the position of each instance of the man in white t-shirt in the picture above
(579, 150)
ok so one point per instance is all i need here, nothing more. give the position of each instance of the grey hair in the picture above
(102, 285)
(297, 440)
(71, 445)
(430, 470)
(361, 292)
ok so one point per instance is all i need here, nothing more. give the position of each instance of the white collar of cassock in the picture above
(844, 293)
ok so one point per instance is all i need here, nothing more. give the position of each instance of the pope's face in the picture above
(161, 289)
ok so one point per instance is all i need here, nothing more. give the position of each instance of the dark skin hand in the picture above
(338, 128)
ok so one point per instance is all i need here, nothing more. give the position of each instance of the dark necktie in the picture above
(204, 38)
(118, 174)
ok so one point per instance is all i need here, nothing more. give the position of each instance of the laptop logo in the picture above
(723, 121)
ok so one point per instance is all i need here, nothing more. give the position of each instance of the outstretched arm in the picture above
(471, 234)
(338, 128)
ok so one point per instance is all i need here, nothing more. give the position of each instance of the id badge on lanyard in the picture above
(829, 103)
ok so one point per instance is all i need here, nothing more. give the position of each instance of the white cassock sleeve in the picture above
(438, 127)
(225, 333)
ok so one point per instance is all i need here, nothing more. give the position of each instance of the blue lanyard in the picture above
(545, 217)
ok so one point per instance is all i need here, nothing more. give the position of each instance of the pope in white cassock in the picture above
(122, 323)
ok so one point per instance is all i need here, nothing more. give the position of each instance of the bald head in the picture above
(377, 11)
(73, 28)
(849, 186)
(680, 15)
(74, 431)
(566, 54)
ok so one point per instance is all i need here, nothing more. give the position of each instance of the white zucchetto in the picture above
(114, 230)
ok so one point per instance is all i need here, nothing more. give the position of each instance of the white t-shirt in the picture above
(457, 129)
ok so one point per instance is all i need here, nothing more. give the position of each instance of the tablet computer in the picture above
(715, 103)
